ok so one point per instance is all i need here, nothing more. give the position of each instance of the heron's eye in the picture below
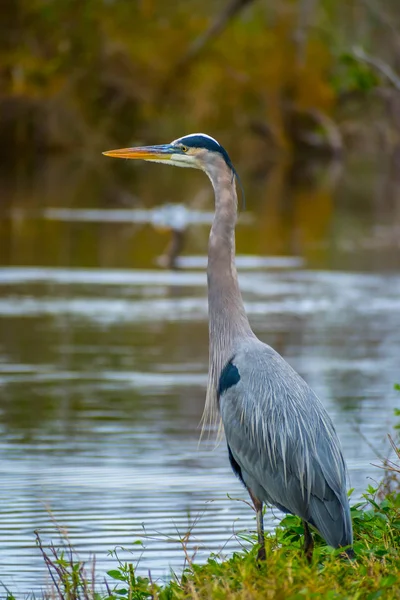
(184, 148)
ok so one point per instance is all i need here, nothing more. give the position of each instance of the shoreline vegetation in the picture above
(285, 575)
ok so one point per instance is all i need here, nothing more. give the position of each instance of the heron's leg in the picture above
(308, 542)
(260, 532)
(258, 505)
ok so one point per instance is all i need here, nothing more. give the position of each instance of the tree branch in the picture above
(378, 64)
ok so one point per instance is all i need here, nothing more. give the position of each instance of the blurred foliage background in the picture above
(291, 75)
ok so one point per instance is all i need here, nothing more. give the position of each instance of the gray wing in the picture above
(283, 440)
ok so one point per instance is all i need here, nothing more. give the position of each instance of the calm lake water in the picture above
(103, 354)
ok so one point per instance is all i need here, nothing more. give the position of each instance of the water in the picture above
(103, 356)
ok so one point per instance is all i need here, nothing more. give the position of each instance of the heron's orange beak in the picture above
(163, 152)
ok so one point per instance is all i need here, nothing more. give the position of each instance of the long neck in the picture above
(228, 321)
(227, 317)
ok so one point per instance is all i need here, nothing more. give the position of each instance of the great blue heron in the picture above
(281, 441)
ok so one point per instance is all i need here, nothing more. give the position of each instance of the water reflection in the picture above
(103, 358)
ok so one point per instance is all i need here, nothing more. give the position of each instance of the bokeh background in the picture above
(103, 312)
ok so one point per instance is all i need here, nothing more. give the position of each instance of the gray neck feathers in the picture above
(228, 321)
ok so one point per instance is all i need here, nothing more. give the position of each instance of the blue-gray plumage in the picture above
(281, 441)
(291, 457)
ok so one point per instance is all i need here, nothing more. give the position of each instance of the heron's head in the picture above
(197, 150)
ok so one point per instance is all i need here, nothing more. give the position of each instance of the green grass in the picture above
(286, 575)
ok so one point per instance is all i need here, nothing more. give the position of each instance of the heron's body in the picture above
(285, 450)
(281, 441)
